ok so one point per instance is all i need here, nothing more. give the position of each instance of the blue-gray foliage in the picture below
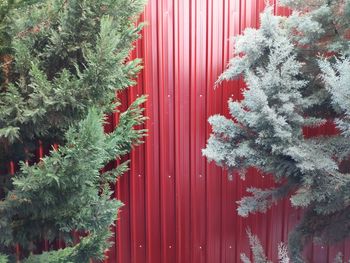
(297, 72)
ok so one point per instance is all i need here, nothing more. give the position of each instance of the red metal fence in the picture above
(178, 208)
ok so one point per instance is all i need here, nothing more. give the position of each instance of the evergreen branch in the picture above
(88, 248)
(3, 259)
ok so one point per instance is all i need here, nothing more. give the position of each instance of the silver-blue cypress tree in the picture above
(297, 72)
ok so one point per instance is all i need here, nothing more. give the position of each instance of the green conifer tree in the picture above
(69, 59)
(297, 71)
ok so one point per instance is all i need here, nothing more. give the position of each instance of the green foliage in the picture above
(91, 246)
(297, 74)
(69, 60)
(61, 192)
(3, 259)
(7, 7)
(72, 59)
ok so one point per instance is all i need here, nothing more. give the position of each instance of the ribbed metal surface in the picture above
(178, 208)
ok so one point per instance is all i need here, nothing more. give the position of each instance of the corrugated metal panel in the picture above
(178, 208)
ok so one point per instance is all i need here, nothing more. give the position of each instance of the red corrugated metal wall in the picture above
(178, 208)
